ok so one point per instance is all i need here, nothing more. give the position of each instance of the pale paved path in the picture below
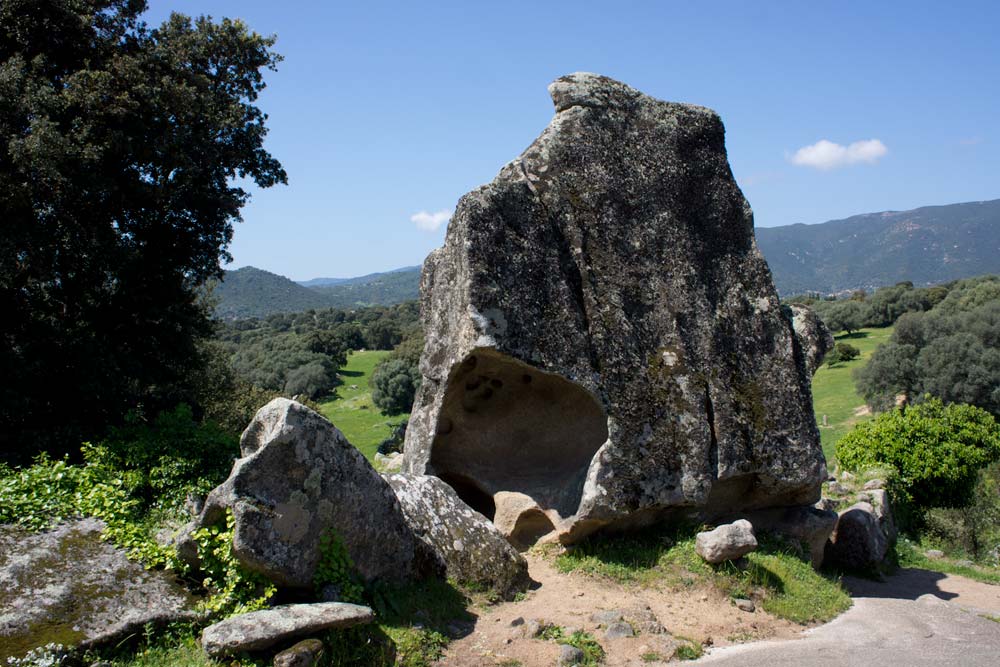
(914, 618)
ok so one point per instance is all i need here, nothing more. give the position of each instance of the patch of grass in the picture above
(833, 389)
(909, 554)
(995, 619)
(652, 656)
(352, 410)
(593, 652)
(509, 662)
(781, 579)
(688, 649)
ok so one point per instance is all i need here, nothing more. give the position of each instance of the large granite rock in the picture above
(864, 532)
(261, 629)
(67, 586)
(603, 335)
(813, 338)
(470, 548)
(298, 479)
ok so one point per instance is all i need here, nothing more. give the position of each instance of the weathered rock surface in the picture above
(603, 335)
(298, 479)
(66, 586)
(262, 629)
(811, 526)
(726, 542)
(470, 548)
(813, 337)
(864, 532)
(307, 653)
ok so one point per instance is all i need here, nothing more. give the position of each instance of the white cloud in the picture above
(429, 222)
(829, 155)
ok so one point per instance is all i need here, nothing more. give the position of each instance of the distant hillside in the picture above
(382, 289)
(371, 277)
(927, 246)
(251, 292)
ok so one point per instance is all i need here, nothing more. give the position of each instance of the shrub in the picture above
(935, 451)
(394, 385)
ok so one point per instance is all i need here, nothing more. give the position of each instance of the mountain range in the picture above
(926, 246)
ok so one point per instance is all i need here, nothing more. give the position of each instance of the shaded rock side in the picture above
(813, 338)
(67, 586)
(602, 334)
(864, 533)
(471, 548)
(262, 629)
(298, 479)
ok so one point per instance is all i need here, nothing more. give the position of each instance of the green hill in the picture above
(252, 292)
(376, 289)
(928, 245)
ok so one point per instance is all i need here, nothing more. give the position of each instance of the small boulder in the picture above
(307, 653)
(606, 617)
(469, 546)
(263, 629)
(745, 605)
(863, 533)
(727, 542)
(570, 655)
(874, 484)
(619, 629)
(298, 480)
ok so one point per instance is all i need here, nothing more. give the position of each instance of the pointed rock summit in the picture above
(605, 346)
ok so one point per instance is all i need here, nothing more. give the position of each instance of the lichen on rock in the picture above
(602, 334)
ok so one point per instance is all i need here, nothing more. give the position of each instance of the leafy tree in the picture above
(846, 316)
(394, 385)
(120, 146)
(313, 379)
(934, 450)
(841, 352)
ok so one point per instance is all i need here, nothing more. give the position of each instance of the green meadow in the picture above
(351, 408)
(833, 389)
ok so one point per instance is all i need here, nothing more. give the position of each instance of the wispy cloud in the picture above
(429, 222)
(826, 154)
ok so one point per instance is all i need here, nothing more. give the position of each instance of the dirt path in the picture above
(915, 617)
(702, 615)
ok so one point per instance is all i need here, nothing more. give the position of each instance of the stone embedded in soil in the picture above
(262, 629)
(745, 605)
(69, 587)
(602, 333)
(571, 655)
(618, 629)
(726, 542)
(307, 653)
(607, 617)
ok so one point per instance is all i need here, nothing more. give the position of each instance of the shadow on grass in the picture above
(853, 336)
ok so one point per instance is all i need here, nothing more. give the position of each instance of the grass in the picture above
(833, 389)
(909, 554)
(351, 409)
(782, 580)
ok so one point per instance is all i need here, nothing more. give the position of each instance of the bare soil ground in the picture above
(701, 615)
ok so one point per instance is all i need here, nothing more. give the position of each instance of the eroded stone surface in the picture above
(471, 548)
(726, 542)
(864, 532)
(262, 629)
(67, 586)
(299, 479)
(813, 337)
(602, 333)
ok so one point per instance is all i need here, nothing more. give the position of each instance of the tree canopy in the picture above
(121, 149)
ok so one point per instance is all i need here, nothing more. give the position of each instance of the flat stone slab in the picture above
(69, 587)
(262, 629)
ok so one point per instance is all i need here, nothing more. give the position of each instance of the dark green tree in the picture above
(119, 147)
(394, 385)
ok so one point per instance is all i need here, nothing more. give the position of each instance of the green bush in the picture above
(935, 451)
(394, 384)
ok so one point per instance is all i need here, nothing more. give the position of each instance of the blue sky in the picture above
(381, 111)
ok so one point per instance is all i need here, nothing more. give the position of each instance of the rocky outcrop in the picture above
(299, 479)
(470, 548)
(726, 542)
(262, 629)
(864, 533)
(69, 587)
(602, 334)
(813, 338)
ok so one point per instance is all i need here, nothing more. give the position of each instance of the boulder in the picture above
(69, 587)
(602, 333)
(571, 655)
(813, 337)
(810, 526)
(726, 542)
(863, 534)
(307, 653)
(469, 547)
(299, 479)
(262, 629)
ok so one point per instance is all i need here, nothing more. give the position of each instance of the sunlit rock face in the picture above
(605, 346)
